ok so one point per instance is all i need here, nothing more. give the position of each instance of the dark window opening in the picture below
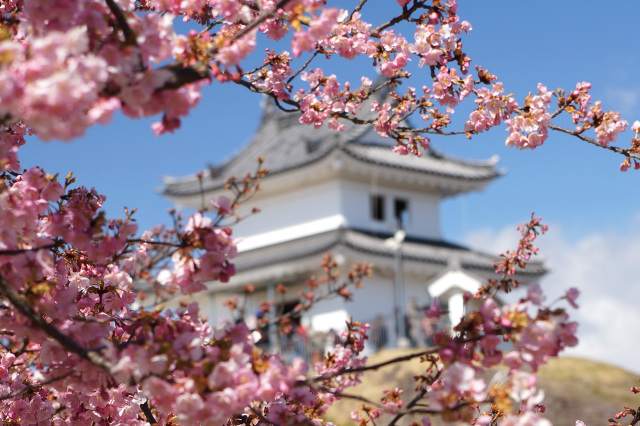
(401, 212)
(290, 313)
(377, 207)
(289, 309)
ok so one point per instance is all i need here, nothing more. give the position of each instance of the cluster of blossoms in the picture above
(635, 148)
(444, 87)
(327, 93)
(80, 71)
(607, 124)
(529, 128)
(191, 272)
(458, 384)
(205, 383)
(454, 380)
(435, 47)
(274, 76)
(75, 346)
(67, 277)
(77, 349)
(493, 106)
(121, 54)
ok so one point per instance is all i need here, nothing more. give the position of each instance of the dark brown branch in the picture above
(391, 410)
(262, 417)
(410, 405)
(129, 35)
(303, 67)
(253, 25)
(181, 75)
(256, 89)
(34, 386)
(404, 16)
(158, 243)
(146, 409)
(358, 8)
(121, 20)
(375, 366)
(19, 302)
(386, 363)
(10, 252)
(579, 135)
(636, 418)
(430, 131)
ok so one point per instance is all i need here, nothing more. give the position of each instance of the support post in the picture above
(274, 341)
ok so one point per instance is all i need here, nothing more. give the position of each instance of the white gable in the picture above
(454, 279)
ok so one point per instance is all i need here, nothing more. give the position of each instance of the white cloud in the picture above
(604, 267)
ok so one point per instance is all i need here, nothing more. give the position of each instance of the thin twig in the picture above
(358, 8)
(262, 417)
(617, 150)
(303, 67)
(391, 410)
(392, 361)
(411, 404)
(404, 16)
(253, 25)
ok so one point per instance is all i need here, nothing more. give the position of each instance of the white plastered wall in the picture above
(424, 213)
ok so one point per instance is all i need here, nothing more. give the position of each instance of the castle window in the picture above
(377, 207)
(401, 212)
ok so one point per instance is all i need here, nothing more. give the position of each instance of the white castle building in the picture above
(346, 193)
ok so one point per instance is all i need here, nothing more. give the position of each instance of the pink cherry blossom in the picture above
(572, 295)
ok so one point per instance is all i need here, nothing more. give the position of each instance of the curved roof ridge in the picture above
(491, 161)
(287, 144)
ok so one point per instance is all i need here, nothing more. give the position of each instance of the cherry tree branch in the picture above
(262, 417)
(146, 409)
(358, 8)
(158, 243)
(392, 361)
(410, 405)
(129, 34)
(404, 16)
(10, 252)
(21, 304)
(34, 386)
(579, 135)
(253, 25)
(399, 412)
(182, 75)
(377, 366)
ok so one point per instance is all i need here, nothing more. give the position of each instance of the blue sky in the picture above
(578, 189)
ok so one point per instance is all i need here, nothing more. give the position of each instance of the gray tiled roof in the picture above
(435, 252)
(432, 162)
(431, 251)
(287, 144)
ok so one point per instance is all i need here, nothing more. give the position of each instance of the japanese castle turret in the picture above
(347, 193)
